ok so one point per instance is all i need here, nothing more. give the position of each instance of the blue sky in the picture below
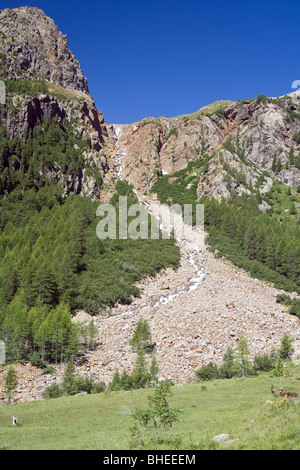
(164, 58)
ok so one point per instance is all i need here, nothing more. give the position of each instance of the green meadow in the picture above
(243, 408)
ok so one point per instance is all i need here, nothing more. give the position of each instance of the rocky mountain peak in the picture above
(32, 47)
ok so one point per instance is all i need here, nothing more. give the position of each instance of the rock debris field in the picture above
(195, 314)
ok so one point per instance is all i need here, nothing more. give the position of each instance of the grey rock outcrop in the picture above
(33, 48)
(243, 141)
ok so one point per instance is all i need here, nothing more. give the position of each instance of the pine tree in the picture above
(140, 375)
(278, 371)
(286, 348)
(250, 242)
(141, 338)
(10, 383)
(243, 353)
(116, 383)
(293, 209)
(68, 384)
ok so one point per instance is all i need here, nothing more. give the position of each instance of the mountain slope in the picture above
(44, 81)
(59, 159)
(250, 138)
(53, 145)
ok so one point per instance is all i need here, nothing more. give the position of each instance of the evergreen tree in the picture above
(10, 383)
(141, 338)
(286, 349)
(278, 371)
(116, 383)
(243, 352)
(140, 376)
(68, 383)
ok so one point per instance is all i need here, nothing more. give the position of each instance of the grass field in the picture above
(237, 407)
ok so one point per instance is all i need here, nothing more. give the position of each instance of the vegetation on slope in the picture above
(52, 262)
(266, 245)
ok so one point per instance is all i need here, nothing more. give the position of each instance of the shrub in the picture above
(54, 391)
(82, 384)
(286, 349)
(264, 362)
(283, 299)
(295, 308)
(173, 131)
(207, 372)
(36, 360)
(99, 387)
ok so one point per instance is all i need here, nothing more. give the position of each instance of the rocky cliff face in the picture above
(44, 81)
(250, 143)
(33, 48)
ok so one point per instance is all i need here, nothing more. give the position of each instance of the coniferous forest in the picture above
(51, 261)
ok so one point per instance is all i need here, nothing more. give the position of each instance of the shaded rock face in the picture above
(32, 48)
(31, 110)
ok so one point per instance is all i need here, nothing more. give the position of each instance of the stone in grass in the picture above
(223, 439)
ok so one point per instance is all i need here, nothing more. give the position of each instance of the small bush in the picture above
(228, 371)
(208, 372)
(264, 362)
(98, 387)
(54, 391)
(36, 360)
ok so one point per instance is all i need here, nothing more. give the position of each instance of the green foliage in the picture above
(173, 131)
(229, 367)
(207, 372)
(297, 137)
(36, 360)
(141, 338)
(46, 150)
(293, 304)
(278, 370)
(286, 348)
(10, 383)
(116, 383)
(261, 98)
(159, 414)
(101, 422)
(26, 87)
(143, 375)
(236, 363)
(242, 356)
(68, 384)
(160, 410)
(140, 377)
(53, 391)
(264, 362)
(265, 247)
(52, 263)
(73, 384)
(184, 189)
